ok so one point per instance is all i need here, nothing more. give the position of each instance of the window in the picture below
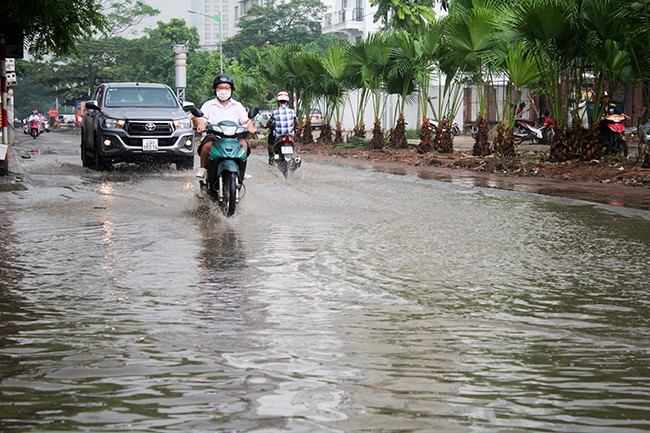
(140, 97)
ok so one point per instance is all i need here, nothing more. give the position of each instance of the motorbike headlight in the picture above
(183, 124)
(113, 123)
(229, 130)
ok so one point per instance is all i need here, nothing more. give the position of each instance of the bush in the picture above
(354, 143)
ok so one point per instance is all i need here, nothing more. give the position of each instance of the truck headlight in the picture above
(183, 124)
(113, 123)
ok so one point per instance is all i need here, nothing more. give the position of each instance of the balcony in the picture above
(347, 23)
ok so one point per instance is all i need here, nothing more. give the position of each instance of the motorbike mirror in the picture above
(253, 112)
(189, 106)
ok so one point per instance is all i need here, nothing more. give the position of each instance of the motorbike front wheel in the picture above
(34, 132)
(229, 185)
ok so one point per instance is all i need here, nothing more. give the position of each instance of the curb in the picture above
(13, 180)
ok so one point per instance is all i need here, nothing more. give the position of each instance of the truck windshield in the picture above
(140, 97)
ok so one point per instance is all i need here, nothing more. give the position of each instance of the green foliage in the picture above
(52, 27)
(398, 14)
(294, 22)
(354, 143)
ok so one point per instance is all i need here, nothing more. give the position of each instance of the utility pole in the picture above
(217, 18)
(180, 62)
(4, 157)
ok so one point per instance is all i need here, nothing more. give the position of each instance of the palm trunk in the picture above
(377, 141)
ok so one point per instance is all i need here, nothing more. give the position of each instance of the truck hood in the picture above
(148, 113)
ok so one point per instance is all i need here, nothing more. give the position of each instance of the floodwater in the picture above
(341, 300)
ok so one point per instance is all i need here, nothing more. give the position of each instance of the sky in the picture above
(168, 9)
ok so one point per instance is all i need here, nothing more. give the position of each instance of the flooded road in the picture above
(342, 300)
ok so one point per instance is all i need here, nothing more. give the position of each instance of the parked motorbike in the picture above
(34, 128)
(284, 156)
(223, 182)
(433, 121)
(542, 131)
(611, 134)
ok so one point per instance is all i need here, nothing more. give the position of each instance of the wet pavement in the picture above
(343, 299)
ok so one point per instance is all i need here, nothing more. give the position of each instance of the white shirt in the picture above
(215, 112)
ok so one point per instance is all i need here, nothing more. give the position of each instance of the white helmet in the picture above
(283, 96)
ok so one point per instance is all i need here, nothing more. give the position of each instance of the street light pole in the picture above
(217, 18)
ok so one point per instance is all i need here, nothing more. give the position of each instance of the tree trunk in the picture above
(504, 143)
(482, 145)
(398, 135)
(426, 137)
(338, 136)
(307, 137)
(377, 141)
(325, 134)
(360, 130)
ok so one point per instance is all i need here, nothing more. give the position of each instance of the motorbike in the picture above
(284, 156)
(541, 132)
(223, 182)
(34, 128)
(283, 153)
(433, 126)
(433, 122)
(611, 134)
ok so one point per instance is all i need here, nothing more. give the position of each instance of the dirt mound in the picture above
(611, 169)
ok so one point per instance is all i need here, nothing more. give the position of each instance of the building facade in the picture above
(211, 32)
(348, 19)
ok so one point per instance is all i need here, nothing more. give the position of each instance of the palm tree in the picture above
(370, 59)
(335, 65)
(427, 46)
(639, 14)
(521, 70)
(470, 33)
(400, 79)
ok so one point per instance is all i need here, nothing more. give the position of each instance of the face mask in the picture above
(223, 95)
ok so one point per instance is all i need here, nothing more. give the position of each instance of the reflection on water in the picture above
(339, 300)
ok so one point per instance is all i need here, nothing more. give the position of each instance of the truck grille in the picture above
(149, 128)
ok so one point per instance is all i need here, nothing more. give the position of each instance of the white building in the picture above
(211, 32)
(349, 19)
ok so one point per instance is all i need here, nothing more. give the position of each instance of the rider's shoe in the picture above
(271, 160)
(200, 173)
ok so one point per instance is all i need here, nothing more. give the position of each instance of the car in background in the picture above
(136, 122)
(262, 117)
(316, 118)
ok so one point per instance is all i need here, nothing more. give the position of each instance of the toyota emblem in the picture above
(150, 126)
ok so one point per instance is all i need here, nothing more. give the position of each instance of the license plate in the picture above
(286, 150)
(150, 144)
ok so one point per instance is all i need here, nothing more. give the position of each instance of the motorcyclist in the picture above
(222, 107)
(283, 121)
(34, 116)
